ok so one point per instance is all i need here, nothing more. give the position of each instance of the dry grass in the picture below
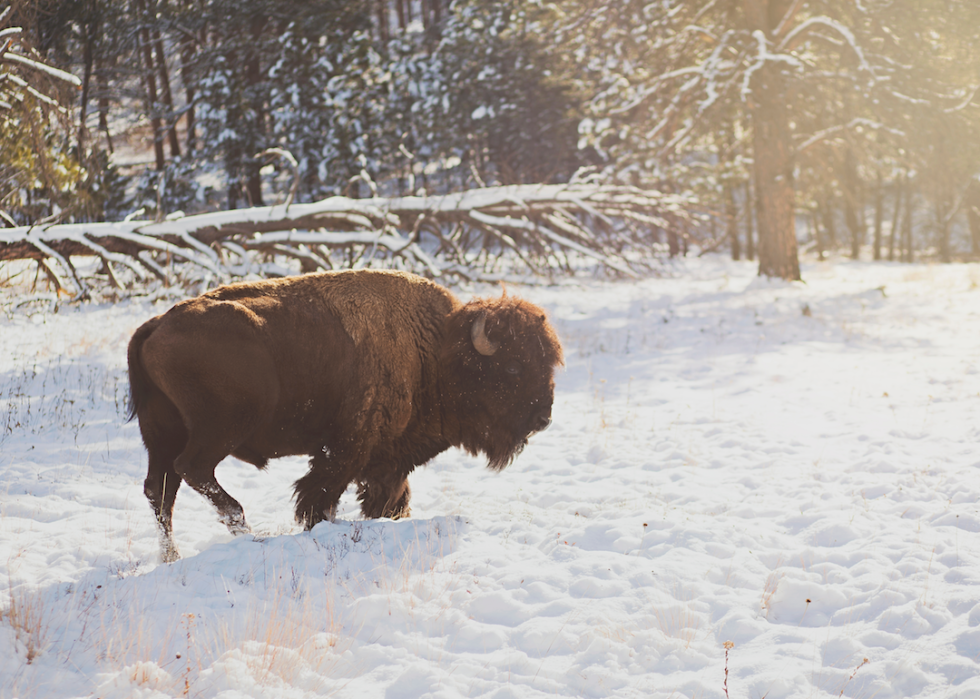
(769, 590)
(679, 622)
(129, 638)
(416, 581)
(292, 636)
(25, 614)
(619, 634)
(278, 640)
(848, 680)
(291, 633)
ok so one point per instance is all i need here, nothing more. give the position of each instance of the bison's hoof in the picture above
(168, 549)
(236, 524)
(169, 553)
(312, 519)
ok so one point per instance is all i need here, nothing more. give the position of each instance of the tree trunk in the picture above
(166, 95)
(943, 209)
(973, 215)
(943, 214)
(731, 220)
(827, 216)
(896, 219)
(381, 9)
(749, 221)
(253, 76)
(186, 62)
(853, 208)
(149, 78)
(908, 254)
(102, 88)
(817, 235)
(436, 16)
(772, 148)
(673, 242)
(879, 215)
(400, 8)
(87, 60)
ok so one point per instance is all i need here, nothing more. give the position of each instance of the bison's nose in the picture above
(542, 422)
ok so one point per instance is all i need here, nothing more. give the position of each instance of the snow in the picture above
(789, 467)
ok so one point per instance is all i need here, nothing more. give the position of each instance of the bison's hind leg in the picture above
(384, 494)
(196, 466)
(165, 438)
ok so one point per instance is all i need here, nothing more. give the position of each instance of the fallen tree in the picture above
(542, 228)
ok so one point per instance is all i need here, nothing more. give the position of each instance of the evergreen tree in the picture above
(664, 74)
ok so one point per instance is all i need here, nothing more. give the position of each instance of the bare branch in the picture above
(787, 19)
(824, 134)
(965, 102)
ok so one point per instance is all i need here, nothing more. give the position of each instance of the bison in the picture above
(370, 373)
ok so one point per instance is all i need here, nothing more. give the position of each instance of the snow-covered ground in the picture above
(792, 468)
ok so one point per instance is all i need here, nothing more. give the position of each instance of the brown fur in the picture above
(370, 373)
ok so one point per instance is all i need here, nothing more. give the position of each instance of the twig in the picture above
(293, 165)
(728, 646)
(843, 686)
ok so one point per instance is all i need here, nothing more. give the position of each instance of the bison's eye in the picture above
(513, 367)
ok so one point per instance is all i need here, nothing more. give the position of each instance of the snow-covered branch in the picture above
(650, 90)
(906, 98)
(44, 68)
(13, 87)
(762, 56)
(465, 233)
(713, 66)
(798, 33)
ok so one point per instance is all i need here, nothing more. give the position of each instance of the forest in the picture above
(755, 126)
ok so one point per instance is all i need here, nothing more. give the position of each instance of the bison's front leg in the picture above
(382, 496)
(318, 492)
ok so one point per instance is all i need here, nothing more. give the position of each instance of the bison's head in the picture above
(498, 367)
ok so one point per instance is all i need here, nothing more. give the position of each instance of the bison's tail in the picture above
(139, 382)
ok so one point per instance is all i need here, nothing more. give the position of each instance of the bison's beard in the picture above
(502, 450)
(499, 460)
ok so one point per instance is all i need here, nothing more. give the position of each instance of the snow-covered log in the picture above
(476, 234)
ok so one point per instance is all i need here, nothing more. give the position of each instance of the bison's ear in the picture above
(478, 334)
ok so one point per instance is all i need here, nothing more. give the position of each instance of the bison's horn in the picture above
(481, 342)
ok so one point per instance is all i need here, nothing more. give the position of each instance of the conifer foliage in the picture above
(827, 123)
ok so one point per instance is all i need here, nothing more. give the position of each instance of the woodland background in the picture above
(839, 124)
